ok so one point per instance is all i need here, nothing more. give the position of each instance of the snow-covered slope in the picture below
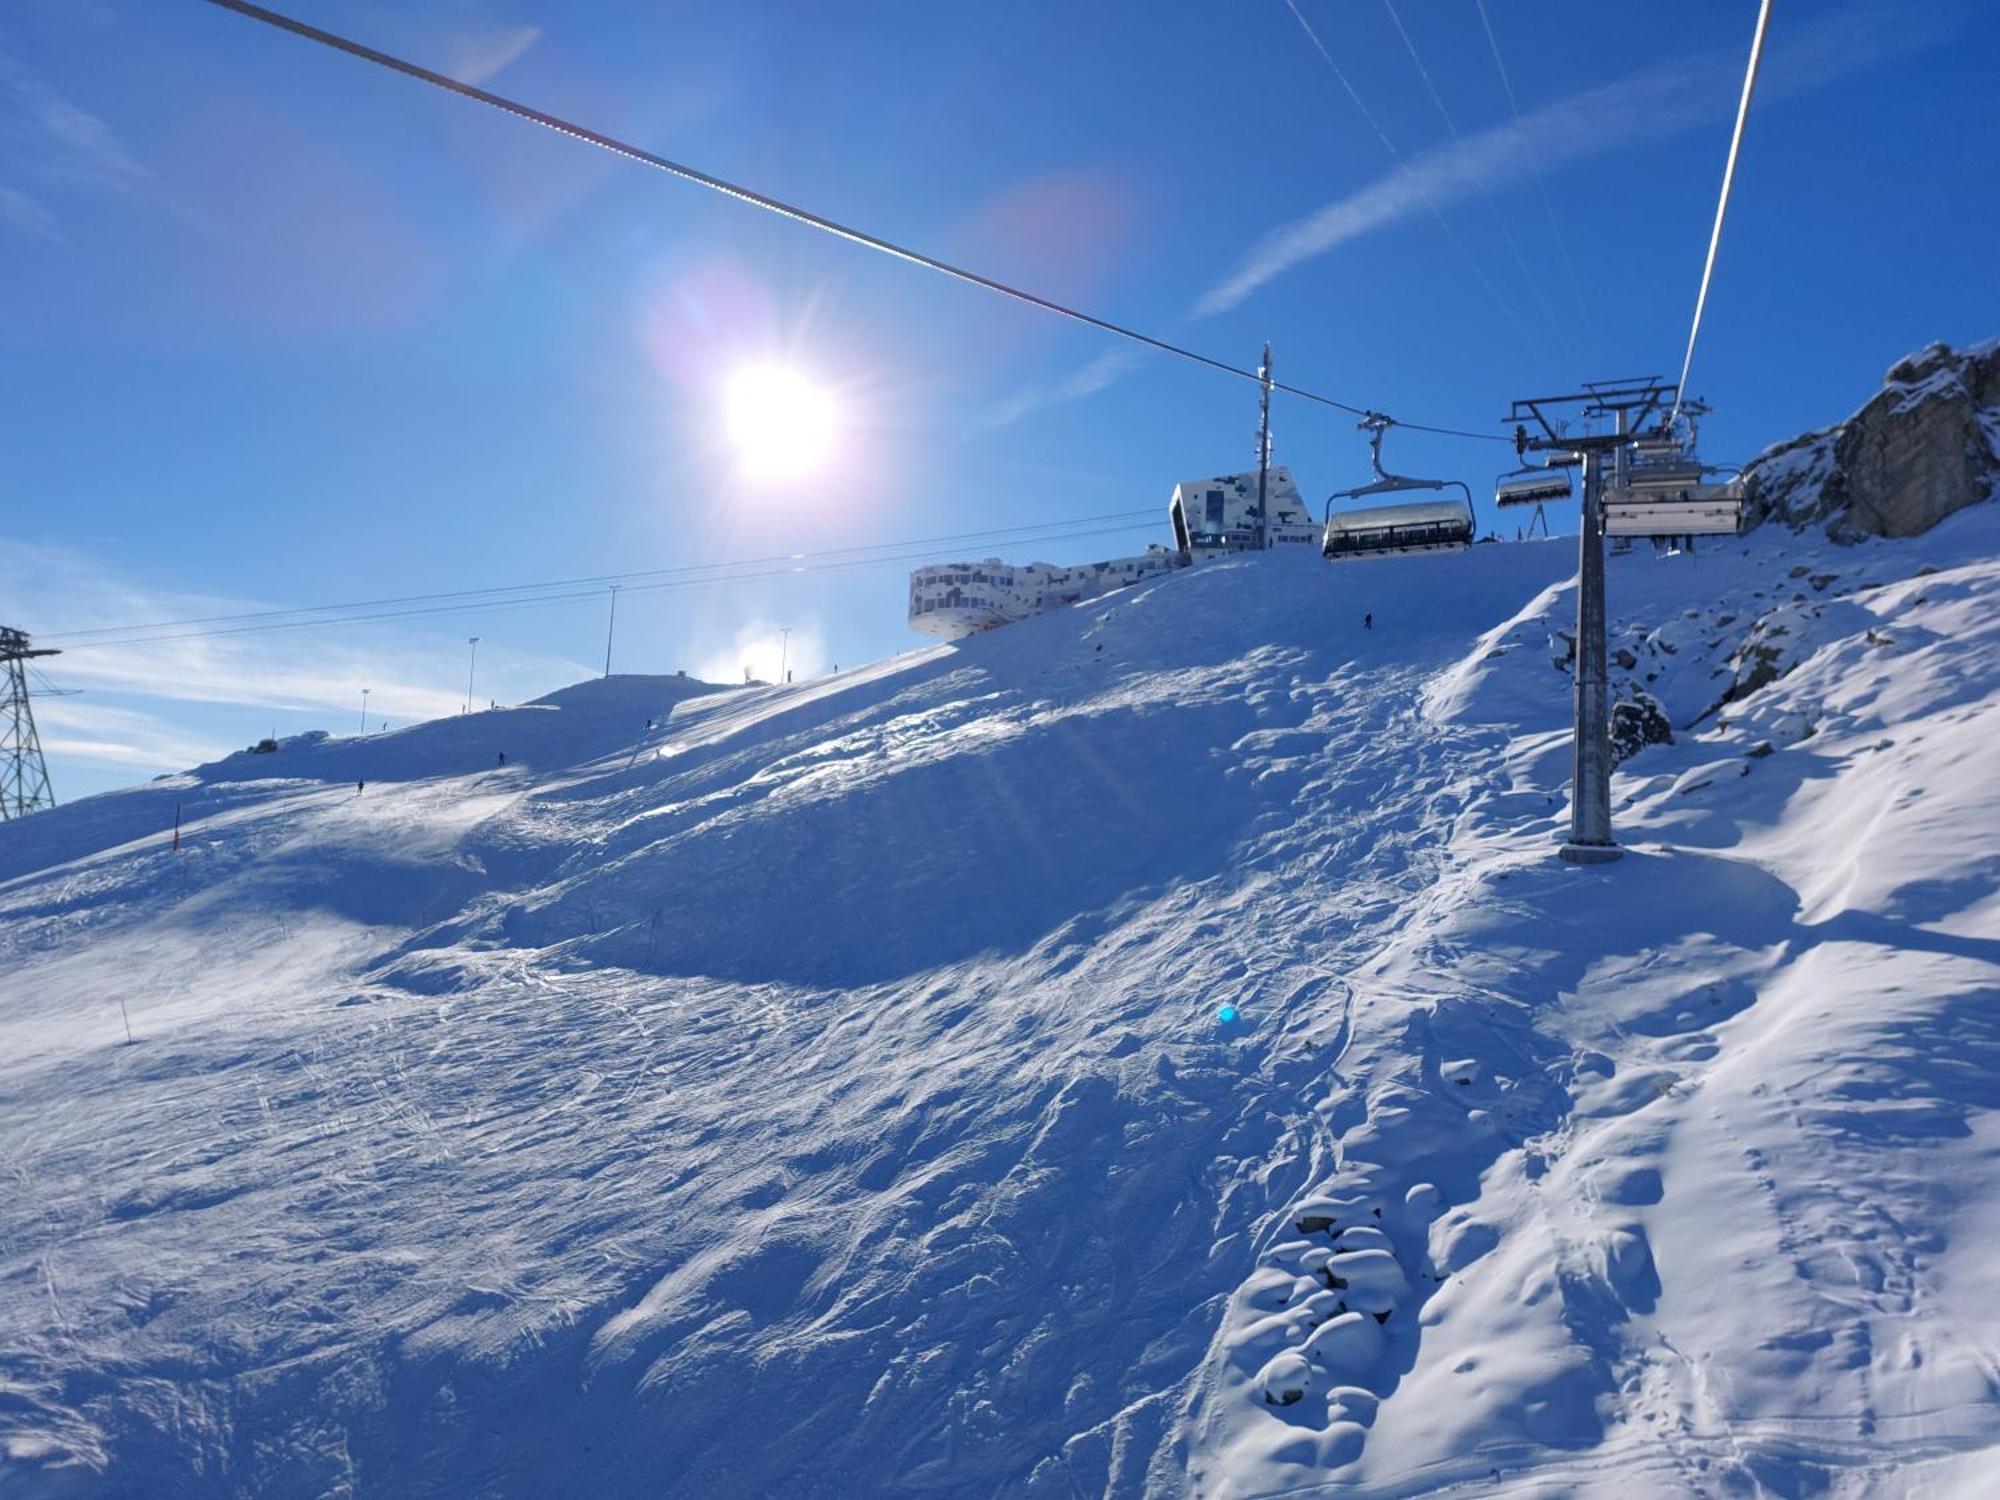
(824, 1094)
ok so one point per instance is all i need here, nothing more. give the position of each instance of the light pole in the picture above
(784, 650)
(608, 629)
(471, 662)
(364, 710)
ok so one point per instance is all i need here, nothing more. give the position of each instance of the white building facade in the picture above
(1210, 518)
(948, 600)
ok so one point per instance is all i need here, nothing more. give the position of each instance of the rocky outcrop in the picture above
(1636, 722)
(1927, 446)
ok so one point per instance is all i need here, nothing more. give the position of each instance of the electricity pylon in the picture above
(24, 775)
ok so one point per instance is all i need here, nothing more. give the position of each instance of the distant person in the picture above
(358, 786)
(503, 757)
(1368, 621)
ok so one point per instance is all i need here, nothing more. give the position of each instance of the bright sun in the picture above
(781, 423)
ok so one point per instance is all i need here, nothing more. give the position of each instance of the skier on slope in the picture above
(1368, 621)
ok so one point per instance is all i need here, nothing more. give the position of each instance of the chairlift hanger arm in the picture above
(1375, 424)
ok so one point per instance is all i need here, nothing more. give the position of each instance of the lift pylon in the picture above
(1629, 404)
(24, 775)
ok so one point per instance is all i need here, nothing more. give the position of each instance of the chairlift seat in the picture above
(1397, 530)
(1532, 489)
(1676, 474)
(1692, 510)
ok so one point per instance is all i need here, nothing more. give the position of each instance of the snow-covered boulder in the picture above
(1371, 1280)
(1348, 1345)
(1286, 1378)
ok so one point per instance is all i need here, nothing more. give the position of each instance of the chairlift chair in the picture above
(1393, 530)
(1689, 510)
(1535, 487)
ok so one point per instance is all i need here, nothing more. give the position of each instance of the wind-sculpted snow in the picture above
(823, 1093)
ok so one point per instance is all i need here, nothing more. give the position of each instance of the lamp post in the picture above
(471, 661)
(364, 710)
(784, 650)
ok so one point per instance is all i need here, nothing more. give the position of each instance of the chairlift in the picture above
(1395, 530)
(1662, 461)
(1531, 487)
(1690, 510)
(1664, 477)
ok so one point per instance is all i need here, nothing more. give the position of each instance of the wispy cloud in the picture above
(48, 139)
(20, 211)
(480, 54)
(1088, 381)
(123, 737)
(61, 138)
(167, 704)
(1653, 104)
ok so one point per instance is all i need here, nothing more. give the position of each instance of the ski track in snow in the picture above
(822, 1093)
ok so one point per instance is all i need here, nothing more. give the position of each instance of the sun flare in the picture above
(780, 422)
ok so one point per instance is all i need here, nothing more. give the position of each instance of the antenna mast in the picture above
(1264, 455)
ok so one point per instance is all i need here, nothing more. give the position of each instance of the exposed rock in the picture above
(1637, 722)
(1758, 663)
(1926, 446)
(1562, 650)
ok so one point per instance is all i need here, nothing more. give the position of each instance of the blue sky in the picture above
(282, 329)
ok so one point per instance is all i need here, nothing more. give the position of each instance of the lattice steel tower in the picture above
(24, 775)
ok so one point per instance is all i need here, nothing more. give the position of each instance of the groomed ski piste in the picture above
(825, 1094)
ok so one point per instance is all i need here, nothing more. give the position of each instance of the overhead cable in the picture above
(489, 605)
(780, 207)
(1451, 125)
(1396, 155)
(1541, 178)
(1722, 202)
(1055, 531)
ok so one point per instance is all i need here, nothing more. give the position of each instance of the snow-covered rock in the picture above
(1927, 446)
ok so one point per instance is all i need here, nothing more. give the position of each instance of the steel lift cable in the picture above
(1722, 202)
(779, 206)
(1541, 179)
(1451, 125)
(1437, 213)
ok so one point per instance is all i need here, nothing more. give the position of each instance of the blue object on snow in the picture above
(1226, 1014)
